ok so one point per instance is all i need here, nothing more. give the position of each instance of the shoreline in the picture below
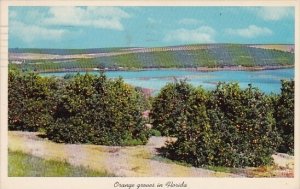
(198, 69)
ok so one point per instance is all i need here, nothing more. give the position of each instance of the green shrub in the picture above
(98, 110)
(243, 127)
(284, 115)
(233, 128)
(30, 101)
(169, 105)
(193, 131)
(154, 132)
(145, 99)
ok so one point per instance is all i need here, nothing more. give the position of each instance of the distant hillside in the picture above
(62, 51)
(189, 56)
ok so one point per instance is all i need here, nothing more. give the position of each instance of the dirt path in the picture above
(133, 161)
(120, 161)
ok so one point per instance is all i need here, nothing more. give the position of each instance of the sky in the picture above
(105, 27)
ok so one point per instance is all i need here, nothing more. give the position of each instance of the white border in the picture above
(107, 183)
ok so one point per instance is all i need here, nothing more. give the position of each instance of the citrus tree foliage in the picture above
(229, 127)
(98, 110)
(189, 122)
(171, 106)
(30, 100)
(284, 115)
(244, 132)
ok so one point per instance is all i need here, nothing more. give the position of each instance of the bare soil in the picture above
(143, 160)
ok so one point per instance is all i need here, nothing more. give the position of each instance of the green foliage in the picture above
(172, 105)
(191, 127)
(284, 115)
(98, 110)
(154, 132)
(30, 100)
(25, 165)
(225, 127)
(243, 127)
(145, 98)
(233, 128)
(80, 109)
(218, 55)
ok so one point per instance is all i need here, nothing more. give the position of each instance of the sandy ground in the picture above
(122, 161)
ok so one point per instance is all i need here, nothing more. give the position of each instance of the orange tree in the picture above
(30, 100)
(98, 110)
(169, 105)
(227, 127)
(243, 127)
(284, 115)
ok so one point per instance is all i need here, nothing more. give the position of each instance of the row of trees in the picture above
(228, 126)
(81, 109)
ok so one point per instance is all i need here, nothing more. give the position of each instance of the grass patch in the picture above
(240, 171)
(221, 169)
(25, 165)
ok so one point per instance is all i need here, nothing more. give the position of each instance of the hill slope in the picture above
(189, 56)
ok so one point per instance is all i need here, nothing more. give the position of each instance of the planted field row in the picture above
(216, 56)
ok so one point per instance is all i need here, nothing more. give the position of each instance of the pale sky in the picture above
(101, 27)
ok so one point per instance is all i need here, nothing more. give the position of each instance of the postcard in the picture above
(149, 95)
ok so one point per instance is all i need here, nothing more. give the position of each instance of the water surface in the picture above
(266, 80)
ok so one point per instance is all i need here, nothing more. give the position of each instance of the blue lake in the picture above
(266, 80)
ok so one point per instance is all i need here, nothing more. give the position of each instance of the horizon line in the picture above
(120, 47)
